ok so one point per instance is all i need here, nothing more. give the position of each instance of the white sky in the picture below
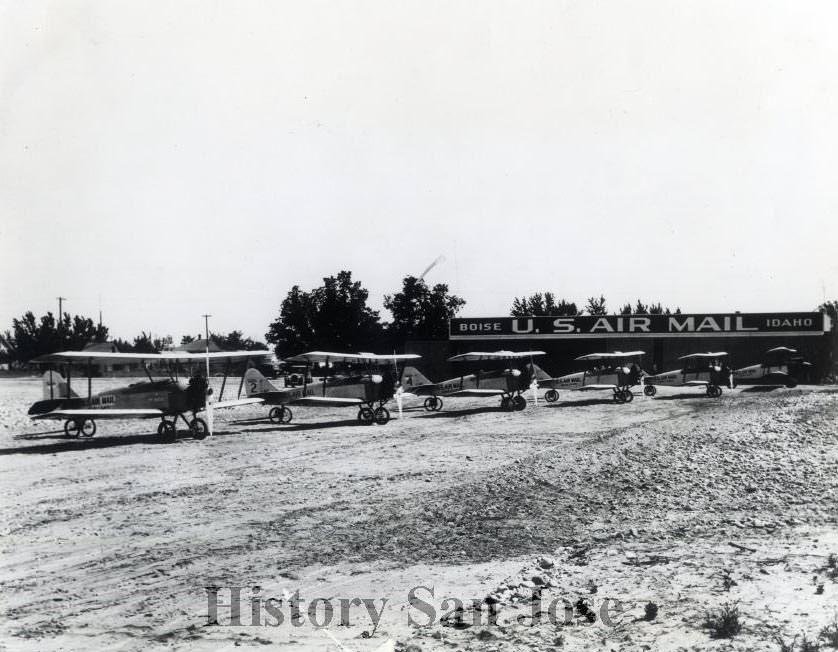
(175, 158)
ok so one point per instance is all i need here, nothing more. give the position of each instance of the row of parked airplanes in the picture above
(365, 381)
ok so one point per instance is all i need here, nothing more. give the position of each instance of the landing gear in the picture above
(623, 396)
(366, 416)
(433, 404)
(714, 391)
(198, 428)
(650, 390)
(791, 382)
(167, 430)
(551, 396)
(381, 415)
(80, 428)
(71, 429)
(280, 414)
(628, 394)
(519, 402)
(506, 404)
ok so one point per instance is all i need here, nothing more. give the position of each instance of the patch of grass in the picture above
(829, 634)
(725, 622)
(651, 611)
(809, 646)
(786, 647)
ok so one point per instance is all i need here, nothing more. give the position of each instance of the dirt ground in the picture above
(554, 527)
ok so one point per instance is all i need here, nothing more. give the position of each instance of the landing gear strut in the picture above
(281, 414)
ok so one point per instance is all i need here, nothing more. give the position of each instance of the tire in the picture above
(791, 382)
(281, 414)
(650, 390)
(366, 416)
(438, 406)
(381, 415)
(619, 396)
(198, 428)
(167, 430)
(506, 404)
(519, 402)
(87, 428)
(71, 428)
(430, 403)
(551, 396)
(629, 395)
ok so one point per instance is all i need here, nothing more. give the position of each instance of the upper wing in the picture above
(101, 414)
(719, 354)
(494, 355)
(781, 349)
(171, 356)
(611, 355)
(358, 358)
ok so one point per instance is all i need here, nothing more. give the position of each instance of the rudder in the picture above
(255, 383)
(412, 377)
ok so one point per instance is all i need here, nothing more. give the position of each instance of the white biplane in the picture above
(170, 397)
(700, 370)
(612, 371)
(365, 382)
(781, 367)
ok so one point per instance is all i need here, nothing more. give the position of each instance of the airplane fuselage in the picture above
(168, 396)
(503, 381)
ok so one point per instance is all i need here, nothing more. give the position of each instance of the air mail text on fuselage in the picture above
(743, 324)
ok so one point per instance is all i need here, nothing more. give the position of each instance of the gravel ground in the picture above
(681, 500)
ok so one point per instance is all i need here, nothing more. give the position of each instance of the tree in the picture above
(542, 305)
(831, 309)
(421, 312)
(333, 316)
(647, 309)
(596, 306)
(234, 341)
(31, 337)
(144, 344)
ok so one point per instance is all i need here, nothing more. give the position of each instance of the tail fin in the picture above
(55, 386)
(255, 383)
(538, 372)
(412, 377)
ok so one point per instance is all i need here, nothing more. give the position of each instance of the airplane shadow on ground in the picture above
(452, 414)
(758, 389)
(571, 403)
(66, 445)
(295, 427)
(680, 397)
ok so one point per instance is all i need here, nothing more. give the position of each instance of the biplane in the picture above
(700, 370)
(781, 367)
(365, 381)
(508, 382)
(604, 371)
(168, 399)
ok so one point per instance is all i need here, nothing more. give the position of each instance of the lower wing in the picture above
(101, 414)
(325, 401)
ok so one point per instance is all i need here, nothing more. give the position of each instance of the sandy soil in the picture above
(110, 543)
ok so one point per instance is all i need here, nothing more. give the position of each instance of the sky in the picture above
(163, 160)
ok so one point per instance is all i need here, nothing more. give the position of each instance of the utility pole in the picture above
(206, 341)
(61, 301)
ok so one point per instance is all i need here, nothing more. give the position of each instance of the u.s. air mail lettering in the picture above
(588, 326)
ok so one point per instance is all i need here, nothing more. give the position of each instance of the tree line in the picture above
(332, 316)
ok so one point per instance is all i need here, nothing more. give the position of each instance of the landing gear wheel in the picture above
(717, 391)
(438, 406)
(551, 396)
(650, 390)
(506, 404)
(381, 415)
(430, 403)
(167, 430)
(791, 382)
(71, 428)
(629, 395)
(619, 396)
(280, 414)
(366, 416)
(519, 402)
(87, 428)
(198, 428)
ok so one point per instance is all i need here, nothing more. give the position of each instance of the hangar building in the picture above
(744, 336)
